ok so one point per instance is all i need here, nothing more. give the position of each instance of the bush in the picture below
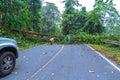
(116, 32)
(87, 38)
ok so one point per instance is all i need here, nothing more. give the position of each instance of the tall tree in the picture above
(69, 16)
(81, 18)
(35, 7)
(108, 13)
(51, 17)
(10, 11)
(92, 24)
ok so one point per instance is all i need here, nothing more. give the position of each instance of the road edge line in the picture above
(45, 65)
(116, 67)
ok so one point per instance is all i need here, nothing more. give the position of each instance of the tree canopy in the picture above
(37, 16)
(51, 17)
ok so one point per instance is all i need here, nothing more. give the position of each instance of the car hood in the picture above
(2, 40)
(7, 40)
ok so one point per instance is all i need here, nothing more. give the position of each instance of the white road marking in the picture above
(46, 64)
(116, 67)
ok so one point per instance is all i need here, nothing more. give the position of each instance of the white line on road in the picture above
(116, 67)
(40, 69)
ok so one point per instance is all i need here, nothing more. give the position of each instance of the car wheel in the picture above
(7, 63)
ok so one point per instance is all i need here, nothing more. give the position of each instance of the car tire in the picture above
(7, 63)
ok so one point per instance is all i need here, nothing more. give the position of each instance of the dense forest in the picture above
(20, 19)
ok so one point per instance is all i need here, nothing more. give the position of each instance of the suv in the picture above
(8, 55)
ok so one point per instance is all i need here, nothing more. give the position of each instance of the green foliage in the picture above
(10, 11)
(83, 26)
(88, 38)
(75, 21)
(69, 16)
(21, 15)
(35, 7)
(71, 3)
(81, 18)
(58, 31)
(116, 32)
(92, 24)
(109, 15)
(51, 17)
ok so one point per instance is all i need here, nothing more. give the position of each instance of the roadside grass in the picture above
(111, 51)
(27, 45)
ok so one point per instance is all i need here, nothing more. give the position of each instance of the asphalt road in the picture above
(59, 62)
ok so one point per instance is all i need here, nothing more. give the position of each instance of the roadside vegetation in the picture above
(111, 51)
(34, 22)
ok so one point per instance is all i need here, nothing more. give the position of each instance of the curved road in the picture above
(59, 62)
